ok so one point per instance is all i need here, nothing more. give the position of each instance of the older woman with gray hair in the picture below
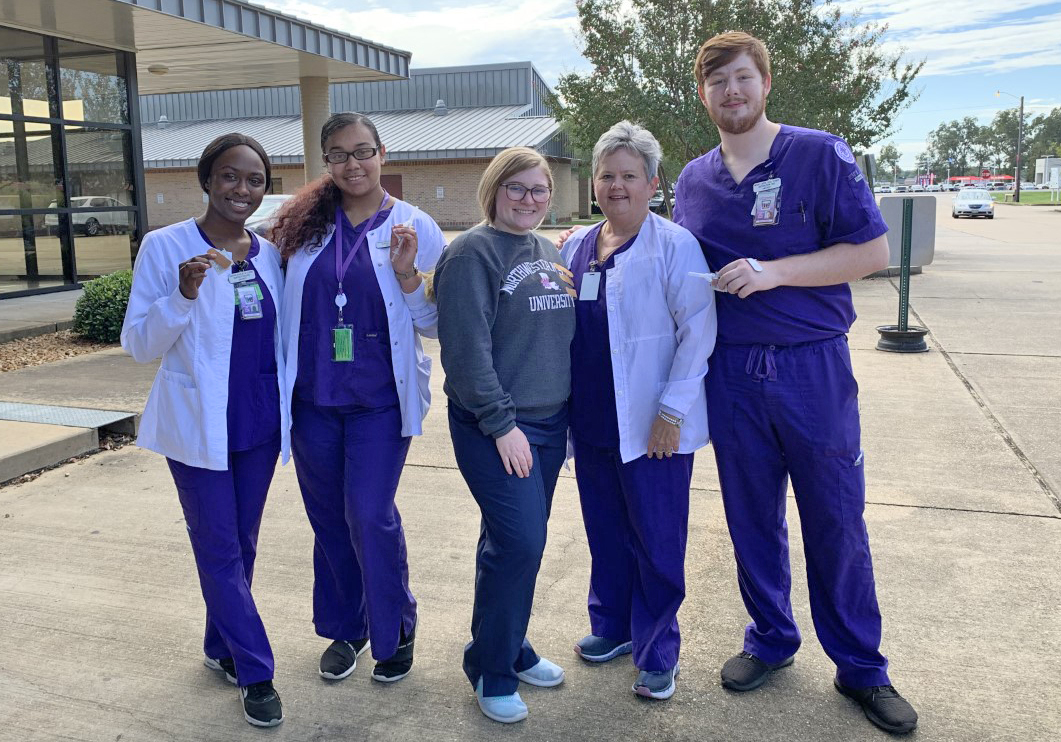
(644, 330)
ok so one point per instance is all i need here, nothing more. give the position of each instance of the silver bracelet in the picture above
(668, 418)
(410, 274)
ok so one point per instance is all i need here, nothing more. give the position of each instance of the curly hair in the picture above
(306, 217)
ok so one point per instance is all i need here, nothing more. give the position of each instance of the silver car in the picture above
(973, 202)
(264, 217)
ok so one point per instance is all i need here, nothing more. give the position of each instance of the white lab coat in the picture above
(186, 417)
(408, 315)
(661, 330)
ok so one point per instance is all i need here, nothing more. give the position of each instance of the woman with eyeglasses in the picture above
(357, 387)
(506, 319)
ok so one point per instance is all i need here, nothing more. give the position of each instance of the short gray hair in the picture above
(636, 139)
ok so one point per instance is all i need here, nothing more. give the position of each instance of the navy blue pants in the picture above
(223, 510)
(515, 512)
(637, 519)
(348, 462)
(792, 411)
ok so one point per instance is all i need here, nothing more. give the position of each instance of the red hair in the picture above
(306, 216)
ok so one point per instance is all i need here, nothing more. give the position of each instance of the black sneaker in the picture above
(261, 704)
(398, 665)
(883, 706)
(747, 672)
(223, 664)
(340, 658)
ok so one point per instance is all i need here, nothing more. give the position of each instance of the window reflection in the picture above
(31, 259)
(99, 163)
(29, 176)
(91, 85)
(23, 76)
(102, 242)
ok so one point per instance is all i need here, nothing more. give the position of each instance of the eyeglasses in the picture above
(361, 153)
(516, 192)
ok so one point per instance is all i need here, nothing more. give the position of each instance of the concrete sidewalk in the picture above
(103, 617)
(28, 316)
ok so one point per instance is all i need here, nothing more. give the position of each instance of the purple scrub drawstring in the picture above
(761, 363)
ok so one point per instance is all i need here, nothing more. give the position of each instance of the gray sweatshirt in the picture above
(506, 316)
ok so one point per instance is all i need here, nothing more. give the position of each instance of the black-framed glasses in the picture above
(516, 192)
(361, 153)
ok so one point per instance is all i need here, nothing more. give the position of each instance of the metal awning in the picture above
(210, 44)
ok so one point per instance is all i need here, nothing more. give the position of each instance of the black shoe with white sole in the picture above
(261, 704)
(340, 658)
(398, 665)
(223, 664)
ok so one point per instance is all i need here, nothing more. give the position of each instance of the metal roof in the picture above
(210, 44)
(408, 135)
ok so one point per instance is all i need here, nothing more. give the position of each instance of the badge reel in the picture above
(767, 202)
(342, 334)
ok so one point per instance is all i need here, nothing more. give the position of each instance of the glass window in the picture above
(93, 89)
(30, 174)
(33, 260)
(102, 242)
(100, 165)
(23, 75)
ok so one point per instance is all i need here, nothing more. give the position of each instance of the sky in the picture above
(972, 47)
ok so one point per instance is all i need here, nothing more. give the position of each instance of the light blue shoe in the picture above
(545, 674)
(657, 685)
(505, 709)
(598, 649)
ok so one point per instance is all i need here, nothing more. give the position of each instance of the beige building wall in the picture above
(454, 206)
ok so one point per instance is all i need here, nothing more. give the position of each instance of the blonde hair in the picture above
(720, 50)
(504, 165)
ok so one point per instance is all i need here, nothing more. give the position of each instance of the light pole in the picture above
(1020, 137)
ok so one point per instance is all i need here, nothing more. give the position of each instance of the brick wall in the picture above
(458, 207)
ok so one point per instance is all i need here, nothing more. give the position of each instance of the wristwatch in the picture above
(410, 274)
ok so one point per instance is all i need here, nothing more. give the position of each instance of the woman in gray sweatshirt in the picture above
(506, 316)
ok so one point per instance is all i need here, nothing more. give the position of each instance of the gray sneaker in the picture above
(657, 685)
(598, 649)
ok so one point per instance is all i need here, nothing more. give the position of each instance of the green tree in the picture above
(1043, 139)
(888, 160)
(829, 70)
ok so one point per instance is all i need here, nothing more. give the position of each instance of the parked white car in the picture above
(973, 202)
(95, 223)
(917, 188)
(933, 188)
(264, 217)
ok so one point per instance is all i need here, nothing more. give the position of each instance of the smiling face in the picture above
(621, 186)
(519, 217)
(735, 95)
(355, 178)
(236, 184)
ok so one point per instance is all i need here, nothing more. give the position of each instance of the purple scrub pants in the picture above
(348, 461)
(223, 510)
(515, 514)
(637, 517)
(792, 411)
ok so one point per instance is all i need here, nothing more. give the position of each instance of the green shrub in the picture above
(100, 311)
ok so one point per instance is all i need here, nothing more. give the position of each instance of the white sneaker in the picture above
(545, 674)
(505, 709)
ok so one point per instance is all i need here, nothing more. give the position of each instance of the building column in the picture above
(316, 109)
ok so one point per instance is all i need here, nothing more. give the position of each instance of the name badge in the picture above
(766, 209)
(343, 343)
(773, 184)
(241, 277)
(590, 286)
(249, 298)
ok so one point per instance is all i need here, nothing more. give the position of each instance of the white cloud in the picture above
(454, 33)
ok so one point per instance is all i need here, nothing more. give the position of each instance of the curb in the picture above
(35, 330)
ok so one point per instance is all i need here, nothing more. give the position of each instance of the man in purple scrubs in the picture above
(785, 218)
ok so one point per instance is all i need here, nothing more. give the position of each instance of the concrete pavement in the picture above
(103, 618)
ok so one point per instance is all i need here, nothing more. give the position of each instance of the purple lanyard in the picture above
(341, 265)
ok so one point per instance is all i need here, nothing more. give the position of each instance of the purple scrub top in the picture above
(593, 418)
(367, 381)
(253, 393)
(824, 200)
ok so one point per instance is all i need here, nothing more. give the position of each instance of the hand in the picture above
(741, 279)
(663, 439)
(515, 453)
(564, 235)
(191, 274)
(403, 247)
